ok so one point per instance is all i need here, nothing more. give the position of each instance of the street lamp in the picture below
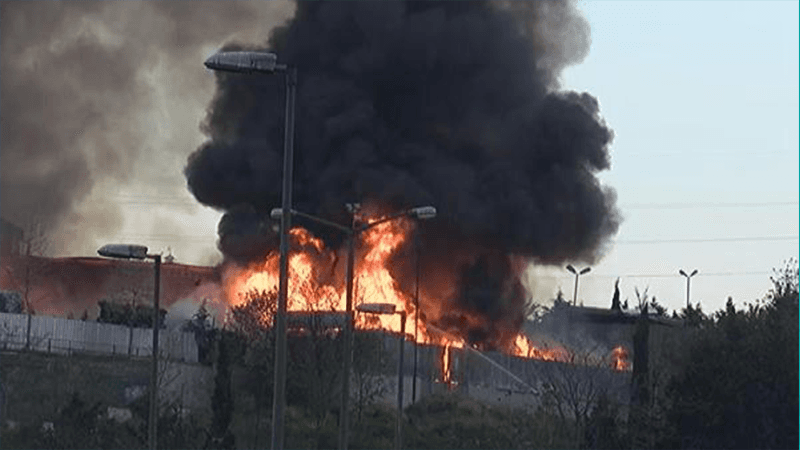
(420, 213)
(266, 63)
(140, 252)
(388, 308)
(688, 281)
(577, 274)
(417, 254)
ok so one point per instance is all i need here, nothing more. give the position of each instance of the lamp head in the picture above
(376, 308)
(124, 251)
(423, 212)
(243, 62)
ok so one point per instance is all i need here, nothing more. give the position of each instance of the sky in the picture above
(702, 98)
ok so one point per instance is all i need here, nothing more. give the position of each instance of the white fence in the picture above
(65, 336)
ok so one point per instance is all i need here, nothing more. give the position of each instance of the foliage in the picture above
(204, 334)
(615, 304)
(229, 350)
(739, 388)
(450, 421)
(375, 427)
(314, 375)
(252, 319)
(79, 424)
(693, 316)
(368, 361)
(137, 316)
(10, 302)
(648, 304)
(560, 302)
(604, 429)
(76, 426)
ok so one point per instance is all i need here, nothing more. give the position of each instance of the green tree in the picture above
(739, 386)
(229, 350)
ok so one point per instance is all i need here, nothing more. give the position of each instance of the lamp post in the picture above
(688, 281)
(577, 274)
(140, 252)
(388, 308)
(420, 213)
(416, 315)
(266, 63)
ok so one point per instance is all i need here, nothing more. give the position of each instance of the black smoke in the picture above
(401, 103)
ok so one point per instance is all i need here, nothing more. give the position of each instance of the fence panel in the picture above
(65, 336)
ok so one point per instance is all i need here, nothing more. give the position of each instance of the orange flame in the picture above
(317, 284)
(619, 358)
(447, 375)
(524, 347)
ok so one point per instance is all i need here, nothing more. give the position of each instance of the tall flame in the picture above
(317, 284)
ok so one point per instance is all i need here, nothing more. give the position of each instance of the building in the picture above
(70, 286)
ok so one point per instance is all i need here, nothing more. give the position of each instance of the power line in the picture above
(660, 275)
(168, 236)
(676, 275)
(706, 205)
(155, 199)
(702, 240)
(713, 153)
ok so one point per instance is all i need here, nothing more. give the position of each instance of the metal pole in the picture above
(416, 317)
(152, 424)
(279, 397)
(398, 438)
(348, 337)
(575, 292)
(688, 282)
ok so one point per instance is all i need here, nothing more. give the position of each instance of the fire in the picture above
(447, 374)
(619, 358)
(317, 284)
(524, 347)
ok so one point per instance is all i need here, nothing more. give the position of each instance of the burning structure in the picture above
(400, 103)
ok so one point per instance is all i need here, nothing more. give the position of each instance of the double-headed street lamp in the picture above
(688, 281)
(577, 274)
(421, 213)
(140, 252)
(388, 308)
(267, 63)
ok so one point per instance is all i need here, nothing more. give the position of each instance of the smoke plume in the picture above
(401, 103)
(97, 100)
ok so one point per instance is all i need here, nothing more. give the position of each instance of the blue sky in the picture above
(703, 99)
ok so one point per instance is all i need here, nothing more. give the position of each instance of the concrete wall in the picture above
(496, 378)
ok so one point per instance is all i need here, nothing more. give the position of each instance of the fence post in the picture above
(130, 339)
(28, 333)
(49, 342)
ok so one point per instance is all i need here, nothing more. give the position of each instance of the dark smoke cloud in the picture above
(454, 104)
(78, 99)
